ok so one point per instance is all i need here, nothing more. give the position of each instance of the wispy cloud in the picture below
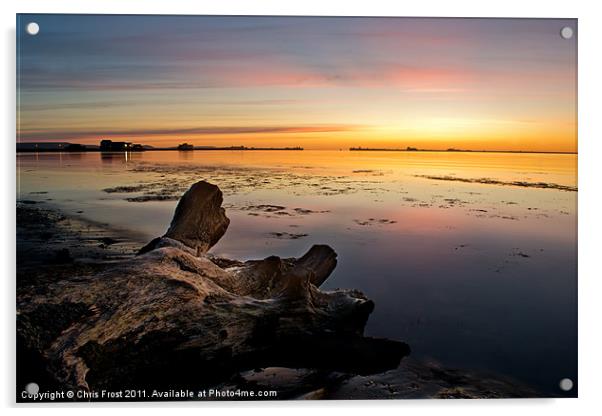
(74, 106)
(264, 78)
(70, 134)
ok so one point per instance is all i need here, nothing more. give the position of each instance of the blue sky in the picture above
(314, 82)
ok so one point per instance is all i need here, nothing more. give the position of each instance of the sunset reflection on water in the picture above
(472, 275)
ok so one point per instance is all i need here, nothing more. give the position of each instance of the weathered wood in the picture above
(199, 221)
(176, 316)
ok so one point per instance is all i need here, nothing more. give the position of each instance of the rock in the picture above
(175, 316)
(418, 379)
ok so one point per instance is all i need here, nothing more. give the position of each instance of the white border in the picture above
(590, 157)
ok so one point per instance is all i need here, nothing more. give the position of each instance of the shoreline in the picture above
(252, 149)
(460, 151)
(232, 149)
(92, 247)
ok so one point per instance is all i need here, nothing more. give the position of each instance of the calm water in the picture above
(470, 274)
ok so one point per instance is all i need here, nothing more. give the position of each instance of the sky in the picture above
(315, 82)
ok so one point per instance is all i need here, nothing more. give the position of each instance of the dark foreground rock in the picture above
(413, 379)
(174, 316)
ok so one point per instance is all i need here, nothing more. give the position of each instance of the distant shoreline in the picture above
(237, 148)
(410, 150)
(155, 149)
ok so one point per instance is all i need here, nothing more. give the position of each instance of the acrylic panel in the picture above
(276, 208)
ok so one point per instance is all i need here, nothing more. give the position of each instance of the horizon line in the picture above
(348, 149)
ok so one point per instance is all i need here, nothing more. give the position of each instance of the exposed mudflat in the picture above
(488, 181)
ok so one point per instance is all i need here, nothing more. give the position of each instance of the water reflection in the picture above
(470, 273)
(119, 157)
(185, 155)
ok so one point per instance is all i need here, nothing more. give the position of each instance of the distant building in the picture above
(111, 146)
(105, 145)
(185, 146)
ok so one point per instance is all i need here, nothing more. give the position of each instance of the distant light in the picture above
(32, 28)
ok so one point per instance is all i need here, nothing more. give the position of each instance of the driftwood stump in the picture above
(176, 316)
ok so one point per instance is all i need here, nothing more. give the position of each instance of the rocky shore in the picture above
(96, 312)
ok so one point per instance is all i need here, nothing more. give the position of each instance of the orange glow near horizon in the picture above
(548, 141)
(481, 84)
